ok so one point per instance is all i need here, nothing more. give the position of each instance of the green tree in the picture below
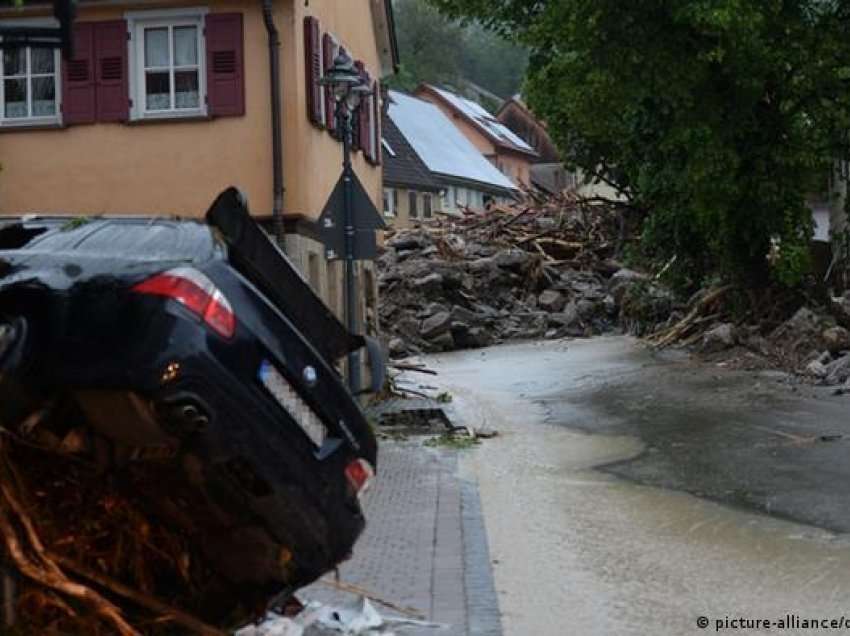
(715, 116)
(441, 50)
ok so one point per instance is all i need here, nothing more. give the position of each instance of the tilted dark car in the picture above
(197, 352)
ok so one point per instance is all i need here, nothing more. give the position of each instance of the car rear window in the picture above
(15, 235)
(145, 239)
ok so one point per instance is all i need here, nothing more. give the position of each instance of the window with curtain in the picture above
(168, 62)
(29, 85)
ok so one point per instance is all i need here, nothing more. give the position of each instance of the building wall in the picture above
(312, 158)
(515, 167)
(177, 167)
(400, 216)
(148, 168)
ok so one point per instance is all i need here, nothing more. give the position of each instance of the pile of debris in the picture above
(85, 556)
(526, 271)
(813, 342)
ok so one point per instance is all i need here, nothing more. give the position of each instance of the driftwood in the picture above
(39, 567)
(148, 602)
(681, 328)
(410, 367)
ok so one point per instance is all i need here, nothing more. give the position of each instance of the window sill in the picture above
(30, 126)
(168, 119)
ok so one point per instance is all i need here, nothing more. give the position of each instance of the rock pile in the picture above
(538, 270)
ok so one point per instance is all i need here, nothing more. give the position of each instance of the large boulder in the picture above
(719, 338)
(411, 240)
(515, 260)
(841, 309)
(436, 325)
(838, 371)
(466, 337)
(407, 326)
(804, 321)
(836, 339)
(588, 309)
(817, 369)
(464, 315)
(429, 285)
(443, 342)
(567, 322)
(483, 266)
(551, 301)
(397, 348)
(431, 309)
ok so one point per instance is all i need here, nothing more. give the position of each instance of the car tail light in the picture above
(197, 293)
(360, 475)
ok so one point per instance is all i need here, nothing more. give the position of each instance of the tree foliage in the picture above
(718, 117)
(440, 50)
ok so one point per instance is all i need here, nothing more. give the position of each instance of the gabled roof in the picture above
(516, 116)
(483, 121)
(383, 20)
(442, 147)
(402, 166)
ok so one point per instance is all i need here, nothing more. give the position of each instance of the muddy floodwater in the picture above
(633, 494)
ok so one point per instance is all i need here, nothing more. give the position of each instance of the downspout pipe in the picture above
(277, 133)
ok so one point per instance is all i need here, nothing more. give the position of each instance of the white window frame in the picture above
(449, 199)
(137, 22)
(44, 120)
(389, 203)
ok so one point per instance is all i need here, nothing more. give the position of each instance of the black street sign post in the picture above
(348, 227)
(367, 220)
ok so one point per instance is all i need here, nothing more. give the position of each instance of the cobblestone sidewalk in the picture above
(425, 545)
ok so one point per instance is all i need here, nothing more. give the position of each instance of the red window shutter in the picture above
(225, 65)
(313, 70)
(359, 122)
(78, 87)
(330, 48)
(110, 47)
(376, 118)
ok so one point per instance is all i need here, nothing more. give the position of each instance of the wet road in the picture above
(628, 493)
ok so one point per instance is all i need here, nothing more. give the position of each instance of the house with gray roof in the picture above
(411, 194)
(465, 178)
(506, 150)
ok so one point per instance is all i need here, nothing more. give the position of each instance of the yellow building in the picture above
(166, 103)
